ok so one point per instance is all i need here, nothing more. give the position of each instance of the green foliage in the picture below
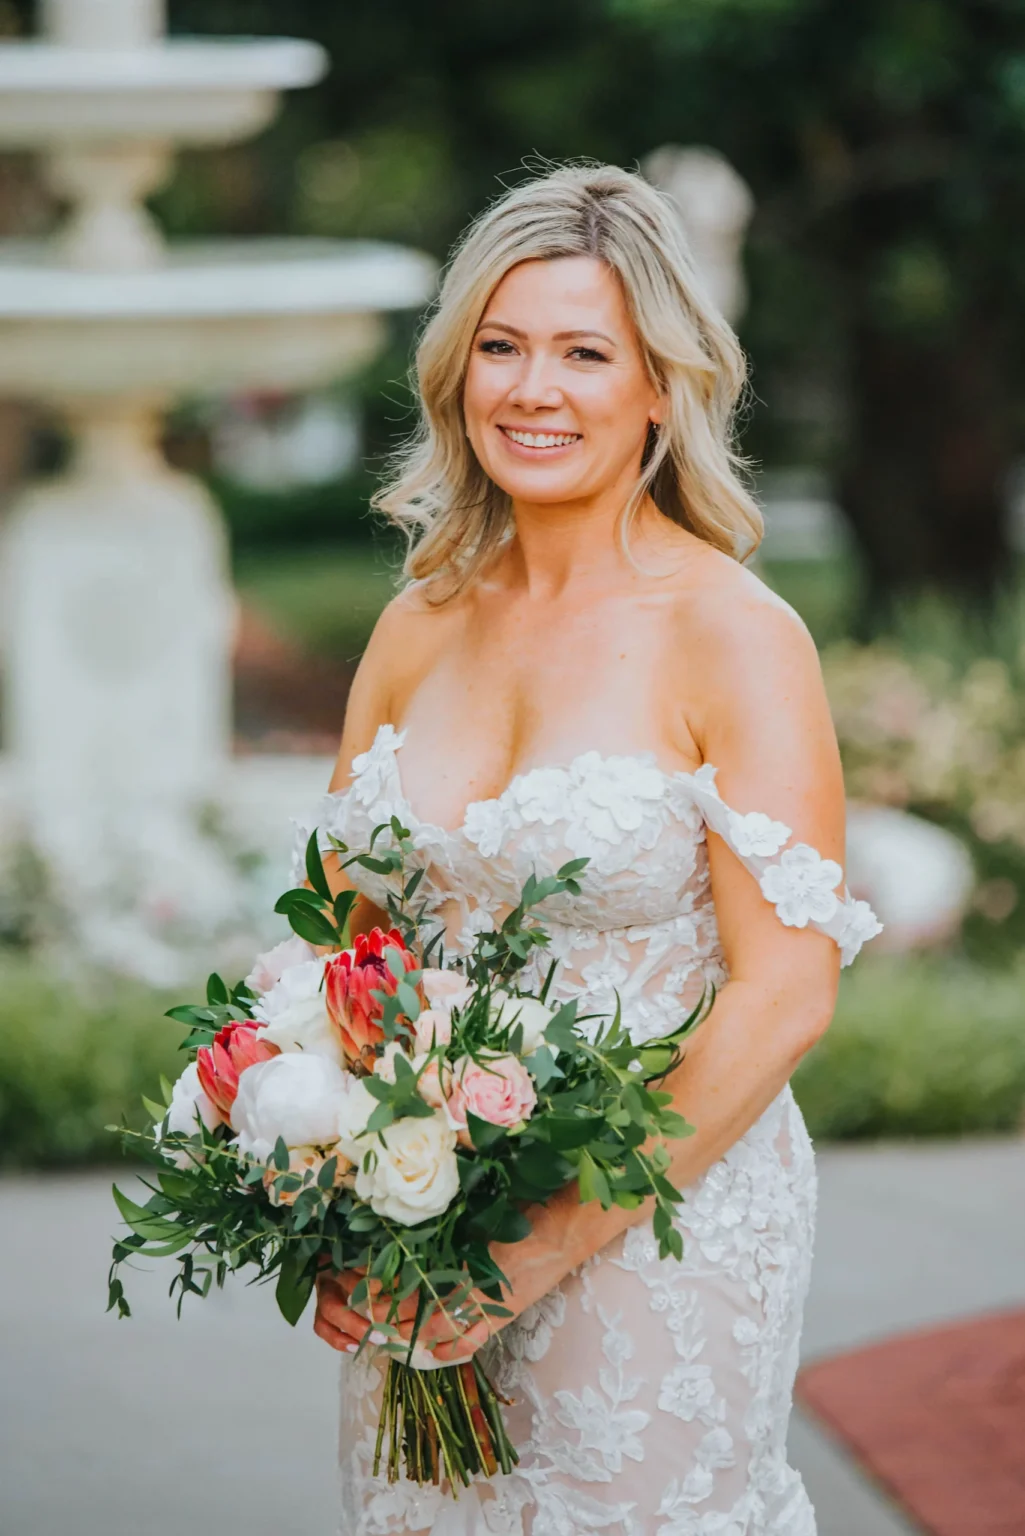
(920, 1046)
(325, 598)
(75, 1053)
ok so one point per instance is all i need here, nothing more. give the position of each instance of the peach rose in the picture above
(446, 989)
(433, 1027)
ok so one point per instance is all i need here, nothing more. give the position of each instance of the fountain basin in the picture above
(194, 92)
(214, 316)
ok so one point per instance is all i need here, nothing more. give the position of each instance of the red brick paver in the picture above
(938, 1419)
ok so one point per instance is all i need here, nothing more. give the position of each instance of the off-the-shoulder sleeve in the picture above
(806, 889)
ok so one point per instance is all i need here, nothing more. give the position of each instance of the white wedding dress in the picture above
(651, 1398)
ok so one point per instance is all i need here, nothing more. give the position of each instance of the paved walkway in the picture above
(225, 1422)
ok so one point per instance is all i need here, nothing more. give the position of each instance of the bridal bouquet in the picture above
(362, 1106)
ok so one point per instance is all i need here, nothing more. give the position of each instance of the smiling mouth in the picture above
(545, 440)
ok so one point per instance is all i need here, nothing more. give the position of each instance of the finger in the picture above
(335, 1312)
(387, 1310)
(336, 1337)
(452, 1352)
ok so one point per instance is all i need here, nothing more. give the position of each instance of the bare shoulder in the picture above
(737, 627)
(406, 641)
(753, 664)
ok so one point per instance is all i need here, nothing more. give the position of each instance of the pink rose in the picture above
(270, 967)
(499, 1090)
(446, 989)
(433, 1027)
(437, 1086)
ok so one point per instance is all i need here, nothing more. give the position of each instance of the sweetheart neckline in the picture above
(395, 739)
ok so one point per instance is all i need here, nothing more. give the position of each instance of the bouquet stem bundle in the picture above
(438, 1424)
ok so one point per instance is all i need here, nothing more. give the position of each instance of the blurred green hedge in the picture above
(75, 1055)
(919, 1047)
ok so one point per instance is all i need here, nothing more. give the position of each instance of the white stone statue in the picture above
(715, 205)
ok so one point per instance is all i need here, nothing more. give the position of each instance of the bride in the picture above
(581, 665)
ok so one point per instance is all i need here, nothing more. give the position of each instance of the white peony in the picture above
(190, 1107)
(269, 967)
(298, 1097)
(384, 1066)
(357, 1105)
(533, 1017)
(415, 1174)
(295, 1012)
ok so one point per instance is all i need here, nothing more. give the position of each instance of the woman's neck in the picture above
(564, 545)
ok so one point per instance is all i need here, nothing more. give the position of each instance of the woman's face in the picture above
(557, 401)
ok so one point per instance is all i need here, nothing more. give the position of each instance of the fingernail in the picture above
(350, 1349)
(377, 1337)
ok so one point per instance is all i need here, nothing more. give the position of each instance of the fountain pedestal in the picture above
(118, 606)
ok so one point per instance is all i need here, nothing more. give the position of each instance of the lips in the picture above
(540, 440)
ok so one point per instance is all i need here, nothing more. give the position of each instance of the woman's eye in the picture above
(497, 348)
(588, 355)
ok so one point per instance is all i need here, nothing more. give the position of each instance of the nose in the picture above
(535, 387)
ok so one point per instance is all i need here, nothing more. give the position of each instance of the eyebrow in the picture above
(511, 330)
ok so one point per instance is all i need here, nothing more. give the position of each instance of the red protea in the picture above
(349, 980)
(234, 1048)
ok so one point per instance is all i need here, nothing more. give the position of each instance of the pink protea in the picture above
(234, 1048)
(349, 980)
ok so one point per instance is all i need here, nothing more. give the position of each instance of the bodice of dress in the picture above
(643, 928)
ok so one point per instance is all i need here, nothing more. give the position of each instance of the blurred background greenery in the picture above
(884, 143)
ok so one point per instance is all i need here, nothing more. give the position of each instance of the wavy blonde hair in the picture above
(454, 516)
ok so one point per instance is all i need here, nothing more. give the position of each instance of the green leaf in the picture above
(672, 1124)
(156, 1112)
(146, 1223)
(542, 1066)
(326, 1176)
(408, 1001)
(312, 925)
(482, 1133)
(593, 1183)
(315, 868)
(216, 991)
(280, 1157)
(566, 1131)
(294, 1287)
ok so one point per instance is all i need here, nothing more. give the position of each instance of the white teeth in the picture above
(541, 439)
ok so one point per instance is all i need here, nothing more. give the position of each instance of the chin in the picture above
(541, 488)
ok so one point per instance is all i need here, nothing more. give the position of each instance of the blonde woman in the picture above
(581, 665)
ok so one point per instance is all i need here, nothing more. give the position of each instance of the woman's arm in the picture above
(763, 720)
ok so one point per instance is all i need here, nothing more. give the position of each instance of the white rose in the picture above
(416, 1174)
(295, 1012)
(533, 1017)
(190, 1107)
(297, 1097)
(269, 967)
(445, 989)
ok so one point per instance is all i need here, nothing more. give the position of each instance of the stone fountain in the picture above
(118, 611)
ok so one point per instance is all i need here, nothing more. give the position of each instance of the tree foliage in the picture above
(885, 144)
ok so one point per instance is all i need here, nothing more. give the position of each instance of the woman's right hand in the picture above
(450, 1338)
